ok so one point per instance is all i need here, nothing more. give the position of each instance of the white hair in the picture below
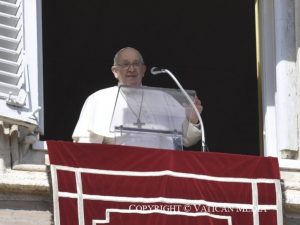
(117, 55)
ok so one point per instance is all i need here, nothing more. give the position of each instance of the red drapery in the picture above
(110, 184)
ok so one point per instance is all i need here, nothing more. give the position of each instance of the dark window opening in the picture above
(210, 47)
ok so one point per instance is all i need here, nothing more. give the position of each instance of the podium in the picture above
(149, 117)
(121, 185)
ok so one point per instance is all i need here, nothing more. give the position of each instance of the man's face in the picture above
(130, 69)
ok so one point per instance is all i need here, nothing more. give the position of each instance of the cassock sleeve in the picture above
(81, 132)
(191, 134)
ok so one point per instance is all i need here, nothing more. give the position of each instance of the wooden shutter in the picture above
(21, 63)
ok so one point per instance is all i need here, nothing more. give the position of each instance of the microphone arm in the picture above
(155, 71)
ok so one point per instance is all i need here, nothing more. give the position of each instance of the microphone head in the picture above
(156, 70)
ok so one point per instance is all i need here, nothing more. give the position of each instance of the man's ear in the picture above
(114, 71)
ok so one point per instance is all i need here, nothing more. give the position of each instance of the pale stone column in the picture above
(4, 147)
(286, 79)
(266, 74)
(297, 31)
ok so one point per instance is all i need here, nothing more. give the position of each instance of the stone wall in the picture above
(25, 187)
(25, 198)
(25, 209)
(291, 196)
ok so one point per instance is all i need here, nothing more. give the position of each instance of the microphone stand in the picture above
(155, 71)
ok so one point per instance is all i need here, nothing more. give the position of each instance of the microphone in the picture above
(155, 71)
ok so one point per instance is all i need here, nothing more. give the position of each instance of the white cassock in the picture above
(111, 116)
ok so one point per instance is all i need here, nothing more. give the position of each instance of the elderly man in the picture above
(140, 105)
